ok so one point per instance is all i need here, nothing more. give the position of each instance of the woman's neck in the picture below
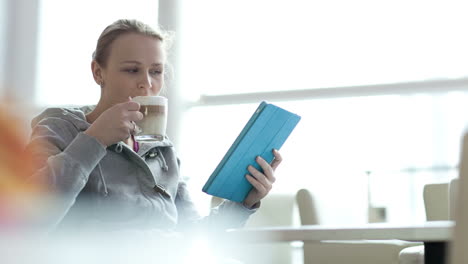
(96, 112)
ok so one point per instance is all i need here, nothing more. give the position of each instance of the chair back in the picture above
(457, 251)
(453, 193)
(307, 209)
(436, 201)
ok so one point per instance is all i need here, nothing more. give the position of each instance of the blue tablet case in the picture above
(267, 129)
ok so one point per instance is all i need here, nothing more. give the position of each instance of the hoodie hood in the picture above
(76, 116)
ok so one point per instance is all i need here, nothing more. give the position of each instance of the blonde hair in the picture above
(125, 26)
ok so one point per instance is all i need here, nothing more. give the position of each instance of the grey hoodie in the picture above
(115, 188)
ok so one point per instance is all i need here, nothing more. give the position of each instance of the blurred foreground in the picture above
(19, 196)
(111, 247)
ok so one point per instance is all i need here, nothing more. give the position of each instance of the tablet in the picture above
(267, 129)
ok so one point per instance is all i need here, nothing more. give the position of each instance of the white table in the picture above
(435, 235)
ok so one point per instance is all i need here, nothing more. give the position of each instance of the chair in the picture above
(350, 252)
(453, 193)
(306, 204)
(457, 250)
(436, 202)
(455, 199)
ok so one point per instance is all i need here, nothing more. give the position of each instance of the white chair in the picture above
(457, 250)
(307, 210)
(436, 202)
(349, 252)
(457, 196)
(453, 194)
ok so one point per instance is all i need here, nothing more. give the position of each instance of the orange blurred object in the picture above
(17, 191)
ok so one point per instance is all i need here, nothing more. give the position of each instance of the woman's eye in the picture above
(131, 70)
(156, 72)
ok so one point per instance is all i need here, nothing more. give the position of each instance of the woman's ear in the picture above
(97, 73)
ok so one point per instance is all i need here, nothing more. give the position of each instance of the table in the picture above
(435, 235)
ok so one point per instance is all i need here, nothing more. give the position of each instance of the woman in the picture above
(102, 177)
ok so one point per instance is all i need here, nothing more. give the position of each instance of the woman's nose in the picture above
(145, 83)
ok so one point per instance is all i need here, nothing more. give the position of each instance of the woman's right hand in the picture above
(116, 123)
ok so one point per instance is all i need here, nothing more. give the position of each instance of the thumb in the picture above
(132, 105)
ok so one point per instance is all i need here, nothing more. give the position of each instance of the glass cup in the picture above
(153, 125)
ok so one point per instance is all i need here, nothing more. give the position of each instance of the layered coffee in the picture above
(153, 125)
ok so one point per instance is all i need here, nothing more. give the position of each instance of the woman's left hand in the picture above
(261, 182)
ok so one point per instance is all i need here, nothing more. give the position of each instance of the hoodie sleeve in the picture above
(226, 215)
(64, 159)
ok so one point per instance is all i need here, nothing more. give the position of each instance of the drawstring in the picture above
(102, 180)
(161, 159)
(118, 147)
(156, 152)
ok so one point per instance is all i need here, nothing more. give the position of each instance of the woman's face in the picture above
(135, 67)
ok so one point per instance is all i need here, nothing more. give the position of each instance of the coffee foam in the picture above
(150, 100)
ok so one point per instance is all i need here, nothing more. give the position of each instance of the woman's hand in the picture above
(116, 123)
(262, 182)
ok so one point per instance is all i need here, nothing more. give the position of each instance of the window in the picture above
(246, 46)
(68, 34)
(264, 46)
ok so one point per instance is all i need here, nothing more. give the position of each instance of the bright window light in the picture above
(245, 46)
(68, 34)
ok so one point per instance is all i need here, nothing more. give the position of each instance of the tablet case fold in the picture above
(267, 129)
